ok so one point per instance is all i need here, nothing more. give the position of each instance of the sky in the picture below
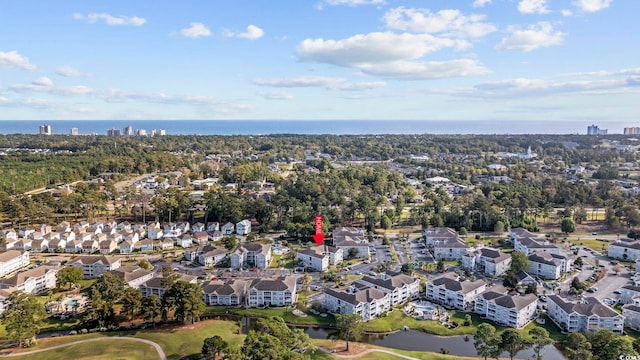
(508, 60)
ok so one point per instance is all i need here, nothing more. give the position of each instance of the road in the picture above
(161, 353)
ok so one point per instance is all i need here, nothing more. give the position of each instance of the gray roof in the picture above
(10, 254)
(130, 272)
(494, 255)
(630, 245)
(516, 302)
(592, 307)
(92, 259)
(451, 282)
(452, 243)
(365, 295)
(228, 287)
(542, 257)
(21, 277)
(279, 284)
(391, 283)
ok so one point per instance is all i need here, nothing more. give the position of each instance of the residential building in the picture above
(487, 261)
(4, 295)
(629, 293)
(108, 246)
(433, 236)
(528, 243)
(243, 227)
(364, 301)
(225, 292)
(590, 316)
(448, 290)
(445, 243)
(227, 229)
(318, 258)
(32, 281)
(400, 287)
(514, 311)
(251, 255)
(133, 275)
(625, 250)
(544, 265)
(12, 260)
(72, 246)
(156, 285)
(212, 255)
(94, 266)
(631, 313)
(272, 292)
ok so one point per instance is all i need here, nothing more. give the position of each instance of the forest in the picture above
(348, 179)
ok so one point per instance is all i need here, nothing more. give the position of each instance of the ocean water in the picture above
(315, 127)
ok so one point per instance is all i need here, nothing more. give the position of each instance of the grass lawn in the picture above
(330, 344)
(288, 317)
(102, 350)
(592, 244)
(396, 320)
(178, 342)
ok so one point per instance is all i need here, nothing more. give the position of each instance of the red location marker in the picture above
(318, 237)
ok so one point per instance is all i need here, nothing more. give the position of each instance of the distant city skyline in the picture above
(490, 60)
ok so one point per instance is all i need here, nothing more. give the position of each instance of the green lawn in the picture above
(101, 350)
(288, 317)
(592, 244)
(329, 344)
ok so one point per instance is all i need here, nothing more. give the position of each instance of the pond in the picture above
(413, 340)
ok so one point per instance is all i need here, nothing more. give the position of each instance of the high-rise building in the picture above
(632, 131)
(595, 130)
(113, 132)
(128, 131)
(45, 129)
(141, 132)
(73, 131)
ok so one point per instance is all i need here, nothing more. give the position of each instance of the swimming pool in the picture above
(73, 303)
(424, 308)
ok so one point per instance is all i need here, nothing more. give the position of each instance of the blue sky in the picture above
(323, 59)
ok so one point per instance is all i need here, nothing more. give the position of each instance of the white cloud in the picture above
(329, 83)
(302, 81)
(480, 3)
(566, 12)
(14, 59)
(448, 21)
(535, 36)
(533, 7)
(195, 30)
(591, 6)
(377, 47)
(69, 71)
(111, 20)
(43, 81)
(602, 73)
(253, 33)
(351, 3)
(276, 95)
(425, 70)
(388, 54)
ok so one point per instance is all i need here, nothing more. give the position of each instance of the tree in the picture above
(498, 228)
(634, 234)
(486, 341)
(353, 252)
(512, 342)
(519, 262)
(272, 339)
(145, 264)
(599, 340)
(385, 222)
(408, 268)
(567, 225)
(578, 347)
(540, 339)
(186, 299)
(151, 307)
(578, 262)
(131, 302)
(350, 327)
(618, 348)
(440, 265)
(616, 268)
(214, 346)
(577, 286)
(229, 242)
(23, 317)
(69, 275)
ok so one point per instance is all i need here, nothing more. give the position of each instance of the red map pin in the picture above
(318, 237)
